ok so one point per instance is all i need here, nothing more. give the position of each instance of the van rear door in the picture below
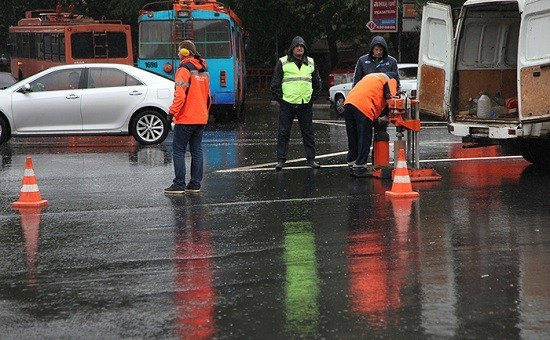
(534, 62)
(435, 60)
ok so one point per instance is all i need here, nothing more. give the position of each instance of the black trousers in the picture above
(359, 130)
(304, 113)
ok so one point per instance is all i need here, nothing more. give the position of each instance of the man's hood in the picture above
(378, 40)
(198, 63)
(298, 40)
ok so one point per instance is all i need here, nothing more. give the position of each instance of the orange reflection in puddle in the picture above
(379, 259)
(195, 295)
(483, 172)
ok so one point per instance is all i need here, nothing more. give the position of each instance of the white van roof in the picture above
(521, 3)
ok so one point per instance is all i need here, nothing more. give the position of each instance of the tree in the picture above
(271, 24)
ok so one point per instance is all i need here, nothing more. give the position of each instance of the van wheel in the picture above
(339, 104)
(149, 127)
(535, 151)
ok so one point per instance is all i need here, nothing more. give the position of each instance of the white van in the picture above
(500, 48)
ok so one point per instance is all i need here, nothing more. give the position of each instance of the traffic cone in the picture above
(30, 196)
(401, 181)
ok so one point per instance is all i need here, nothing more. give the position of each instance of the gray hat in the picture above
(190, 46)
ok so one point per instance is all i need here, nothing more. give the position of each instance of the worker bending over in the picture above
(364, 104)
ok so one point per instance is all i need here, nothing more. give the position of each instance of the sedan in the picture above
(88, 99)
(407, 79)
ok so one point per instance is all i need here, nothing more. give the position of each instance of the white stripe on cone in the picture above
(401, 164)
(29, 188)
(401, 179)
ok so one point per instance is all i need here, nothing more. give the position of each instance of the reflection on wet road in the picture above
(299, 253)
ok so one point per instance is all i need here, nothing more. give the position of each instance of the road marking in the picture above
(270, 166)
(430, 125)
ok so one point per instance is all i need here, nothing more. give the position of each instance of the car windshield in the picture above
(408, 73)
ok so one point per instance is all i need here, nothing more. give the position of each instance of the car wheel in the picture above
(4, 133)
(149, 127)
(339, 103)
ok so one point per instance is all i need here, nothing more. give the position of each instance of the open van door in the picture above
(534, 62)
(435, 60)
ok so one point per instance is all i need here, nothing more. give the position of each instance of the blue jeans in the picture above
(184, 135)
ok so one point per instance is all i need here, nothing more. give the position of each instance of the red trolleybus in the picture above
(46, 38)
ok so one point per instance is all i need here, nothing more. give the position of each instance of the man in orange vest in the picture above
(190, 115)
(363, 106)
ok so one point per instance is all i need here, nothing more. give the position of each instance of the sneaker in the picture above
(360, 172)
(192, 188)
(280, 164)
(174, 190)
(313, 164)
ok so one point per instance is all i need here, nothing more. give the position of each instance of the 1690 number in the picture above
(151, 64)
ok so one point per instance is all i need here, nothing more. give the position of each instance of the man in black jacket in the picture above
(376, 61)
(295, 86)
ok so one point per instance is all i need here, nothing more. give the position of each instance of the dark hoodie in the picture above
(277, 79)
(368, 64)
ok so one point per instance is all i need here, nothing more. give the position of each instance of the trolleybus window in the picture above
(212, 38)
(155, 40)
(88, 45)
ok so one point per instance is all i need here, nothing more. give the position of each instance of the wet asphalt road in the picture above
(260, 254)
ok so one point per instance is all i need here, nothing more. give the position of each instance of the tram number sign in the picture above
(151, 64)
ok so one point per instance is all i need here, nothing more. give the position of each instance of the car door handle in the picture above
(72, 96)
(135, 93)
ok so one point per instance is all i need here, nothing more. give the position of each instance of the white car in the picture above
(88, 99)
(407, 79)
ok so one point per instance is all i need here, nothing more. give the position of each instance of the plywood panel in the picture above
(432, 89)
(535, 99)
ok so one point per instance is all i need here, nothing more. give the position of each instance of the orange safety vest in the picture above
(192, 93)
(368, 94)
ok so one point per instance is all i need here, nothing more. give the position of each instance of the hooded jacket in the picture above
(192, 92)
(368, 64)
(370, 94)
(280, 72)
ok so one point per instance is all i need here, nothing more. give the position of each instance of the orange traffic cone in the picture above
(30, 196)
(401, 181)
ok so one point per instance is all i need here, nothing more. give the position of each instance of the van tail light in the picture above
(223, 79)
